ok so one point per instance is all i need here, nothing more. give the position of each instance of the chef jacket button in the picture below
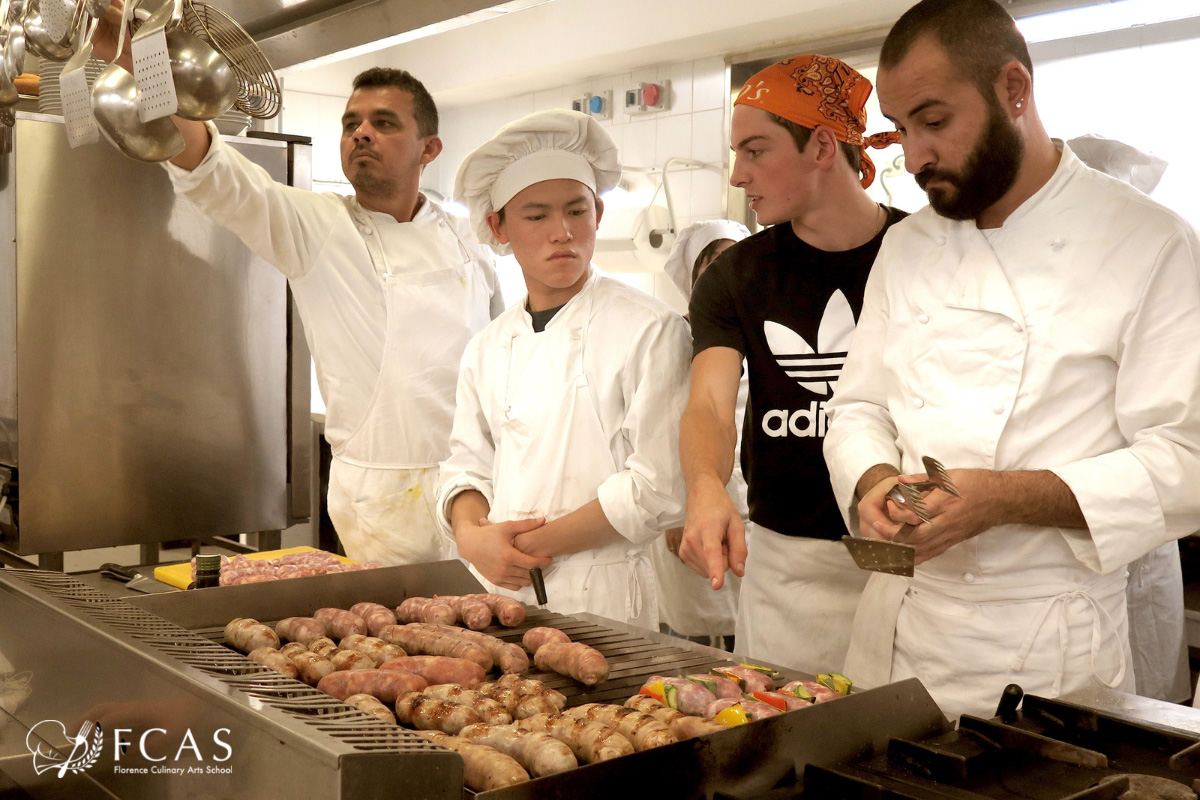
(366, 231)
(923, 318)
(998, 408)
(1017, 327)
(969, 577)
(918, 402)
(941, 240)
(1057, 244)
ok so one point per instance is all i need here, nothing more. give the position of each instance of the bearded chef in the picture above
(687, 603)
(389, 286)
(563, 453)
(1155, 590)
(1034, 329)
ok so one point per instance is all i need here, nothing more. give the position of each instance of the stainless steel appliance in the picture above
(154, 379)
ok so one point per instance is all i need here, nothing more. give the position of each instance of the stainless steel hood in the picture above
(293, 32)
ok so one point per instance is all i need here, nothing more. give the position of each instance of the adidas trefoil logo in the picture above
(816, 370)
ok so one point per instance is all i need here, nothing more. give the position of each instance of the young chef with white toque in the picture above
(687, 602)
(390, 289)
(1035, 330)
(563, 452)
(1155, 590)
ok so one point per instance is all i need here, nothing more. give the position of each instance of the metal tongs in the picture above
(896, 557)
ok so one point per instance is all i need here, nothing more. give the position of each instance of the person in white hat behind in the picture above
(687, 603)
(564, 449)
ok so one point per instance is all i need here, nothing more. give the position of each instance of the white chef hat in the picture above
(542, 146)
(690, 243)
(1140, 170)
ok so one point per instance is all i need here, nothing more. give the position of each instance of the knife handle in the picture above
(117, 572)
(539, 585)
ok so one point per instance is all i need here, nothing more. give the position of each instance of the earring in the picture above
(1020, 103)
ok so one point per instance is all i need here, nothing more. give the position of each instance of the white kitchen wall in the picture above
(692, 127)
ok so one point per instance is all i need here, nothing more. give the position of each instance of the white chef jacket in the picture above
(318, 241)
(636, 354)
(1063, 340)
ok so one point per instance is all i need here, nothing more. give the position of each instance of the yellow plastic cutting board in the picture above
(180, 575)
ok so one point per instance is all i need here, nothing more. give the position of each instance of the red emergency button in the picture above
(651, 94)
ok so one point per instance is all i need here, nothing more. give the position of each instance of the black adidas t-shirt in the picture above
(790, 309)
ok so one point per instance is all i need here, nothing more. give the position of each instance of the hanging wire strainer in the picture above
(258, 88)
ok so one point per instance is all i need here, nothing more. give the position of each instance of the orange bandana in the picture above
(819, 90)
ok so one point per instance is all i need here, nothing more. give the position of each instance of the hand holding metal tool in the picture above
(896, 557)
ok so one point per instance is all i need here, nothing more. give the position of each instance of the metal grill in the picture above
(258, 88)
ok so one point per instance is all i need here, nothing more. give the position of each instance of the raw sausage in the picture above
(642, 729)
(484, 769)
(536, 637)
(387, 686)
(371, 705)
(300, 629)
(755, 709)
(510, 658)
(250, 634)
(438, 669)
(690, 697)
(585, 664)
(751, 679)
(416, 639)
(425, 609)
(820, 694)
(273, 659)
(508, 612)
(589, 741)
(431, 714)
(539, 753)
(491, 711)
(376, 649)
(375, 615)
(475, 614)
(340, 623)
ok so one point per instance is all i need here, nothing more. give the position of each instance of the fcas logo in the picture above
(86, 745)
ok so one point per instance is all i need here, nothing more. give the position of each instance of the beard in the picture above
(989, 172)
(368, 179)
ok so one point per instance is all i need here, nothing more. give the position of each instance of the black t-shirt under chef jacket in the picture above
(790, 309)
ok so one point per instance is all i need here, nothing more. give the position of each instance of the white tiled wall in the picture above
(693, 127)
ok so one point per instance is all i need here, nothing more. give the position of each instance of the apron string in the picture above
(1099, 615)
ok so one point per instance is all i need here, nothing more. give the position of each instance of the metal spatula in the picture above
(896, 557)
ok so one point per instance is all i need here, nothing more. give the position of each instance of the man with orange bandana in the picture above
(787, 300)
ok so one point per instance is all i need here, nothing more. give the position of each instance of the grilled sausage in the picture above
(683, 726)
(539, 753)
(293, 647)
(340, 623)
(247, 634)
(387, 686)
(475, 614)
(508, 612)
(438, 669)
(642, 729)
(416, 639)
(528, 686)
(312, 667)
(431, 714)
(585, 664)
(375, 615)
(300, 629)
(510, 658)
(589, 741)
(484, 769)
(425, 609)
(521, 706)
(491, 711)
(273, 659)
(348, 659)
(376, 649)
(536, 637)
(371, 705)
(323, 646)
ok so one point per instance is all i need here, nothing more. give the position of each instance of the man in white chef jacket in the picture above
(1035, 330)
(563, 452)
(390, 289)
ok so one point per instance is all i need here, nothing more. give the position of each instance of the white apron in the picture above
(687, 602)
(552, 454)
(383, 479)
(965, 644)
(1156, 625)
(798, 602)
